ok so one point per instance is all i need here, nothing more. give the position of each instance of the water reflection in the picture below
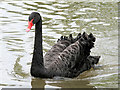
(18, 69)
(38, 83)
(58, 84)
(59, 18)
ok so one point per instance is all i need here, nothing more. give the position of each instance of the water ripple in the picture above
(59, 18)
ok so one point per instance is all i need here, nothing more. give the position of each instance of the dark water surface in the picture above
(59, 18)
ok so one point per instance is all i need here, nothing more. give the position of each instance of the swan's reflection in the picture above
(59, 84)
(37, 83)
(42, 83)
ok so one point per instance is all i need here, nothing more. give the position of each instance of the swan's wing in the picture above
(86, 65)
(74, 58)
(59, 47)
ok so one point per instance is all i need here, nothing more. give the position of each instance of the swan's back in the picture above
(71, 56)
(59, 47)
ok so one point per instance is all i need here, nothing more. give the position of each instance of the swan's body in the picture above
(67, 58)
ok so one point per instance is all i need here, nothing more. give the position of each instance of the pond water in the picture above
(59, 18)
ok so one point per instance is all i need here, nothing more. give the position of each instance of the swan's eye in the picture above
(34, 16)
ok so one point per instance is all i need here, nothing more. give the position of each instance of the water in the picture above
(59, 18)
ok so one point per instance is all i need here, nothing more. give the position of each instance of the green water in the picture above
(59, 18)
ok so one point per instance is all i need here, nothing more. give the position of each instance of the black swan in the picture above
(67, 58)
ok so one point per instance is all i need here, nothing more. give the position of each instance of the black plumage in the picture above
(67, 58)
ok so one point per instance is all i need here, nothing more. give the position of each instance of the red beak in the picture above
(30, 24)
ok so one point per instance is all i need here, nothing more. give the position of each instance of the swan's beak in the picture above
(27, 30)
(30, 24)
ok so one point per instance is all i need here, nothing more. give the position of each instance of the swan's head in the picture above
(34, 17)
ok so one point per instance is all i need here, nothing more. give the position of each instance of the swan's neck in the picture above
(38, 52)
